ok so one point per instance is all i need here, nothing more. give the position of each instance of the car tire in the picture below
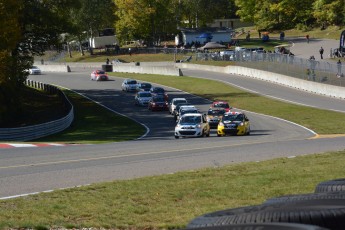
(301, 197)
(261, 226)
(327, 213)
(336, 185)
(177, 137)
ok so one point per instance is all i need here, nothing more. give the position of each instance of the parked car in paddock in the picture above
(221, 104)
(129, 85)
(159, 91)
(142, 98)
(144, 86)
(192, 125)
(214, 116)
(158, 103)
(227, 55)
(34, 70)
(233, 123)
(174, 102)
(99, 75)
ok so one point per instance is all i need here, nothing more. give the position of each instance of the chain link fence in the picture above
(289, 65)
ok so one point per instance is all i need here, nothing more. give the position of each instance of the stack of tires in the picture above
(323, 209)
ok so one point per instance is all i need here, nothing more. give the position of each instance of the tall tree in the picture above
(145, 19)
(275, 14)
(29, 27)
(329, 12)
(10, 35)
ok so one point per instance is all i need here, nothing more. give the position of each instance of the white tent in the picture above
(212, 45)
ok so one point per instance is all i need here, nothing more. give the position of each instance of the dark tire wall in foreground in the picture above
(262, 226)
(327, 213)
(324, 208)
(331, 186)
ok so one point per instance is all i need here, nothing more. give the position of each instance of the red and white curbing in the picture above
(27, 145)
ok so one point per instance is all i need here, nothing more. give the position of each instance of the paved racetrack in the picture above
(28, 170)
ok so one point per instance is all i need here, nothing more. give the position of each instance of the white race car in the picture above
(192, 125)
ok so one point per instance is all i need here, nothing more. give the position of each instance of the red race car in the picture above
(158, 103)
(99, 75)
(221, 104)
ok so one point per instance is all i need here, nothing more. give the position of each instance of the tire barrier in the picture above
(331, 186)
(37, 131)
(262, 226)
(326, 213)
(301, 197)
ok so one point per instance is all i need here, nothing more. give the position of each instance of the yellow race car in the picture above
(233, 123)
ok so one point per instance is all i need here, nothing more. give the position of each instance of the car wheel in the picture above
(301, 197)
(262, 226)
(331, 186)
(326, 213)
(177, 137)
(248, 132)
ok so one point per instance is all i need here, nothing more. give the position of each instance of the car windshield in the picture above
(179, 105)
(216, 112)
(158, 90)
(179, 102)
(132, 82)
(190, 119)
(158, 99)
(221, 105)
(233, 117)
(100, 72)
(189, 111)
(144, 94)
(34, 67)
(145, 85)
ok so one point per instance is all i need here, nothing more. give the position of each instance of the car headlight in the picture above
(221, 124)
(198, 126)
(241, 124)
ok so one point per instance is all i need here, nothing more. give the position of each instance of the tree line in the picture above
(30, 27)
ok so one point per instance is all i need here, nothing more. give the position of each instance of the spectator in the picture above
(339, 67)
(321, 52)
(307, 37)
(107, 61)
(282, 36)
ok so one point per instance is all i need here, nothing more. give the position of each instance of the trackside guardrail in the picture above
(41, 130)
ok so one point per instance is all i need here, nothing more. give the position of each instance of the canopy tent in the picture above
(212, 45)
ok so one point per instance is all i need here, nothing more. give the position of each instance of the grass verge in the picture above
(170, 201)
(95, 124)
(214, 90)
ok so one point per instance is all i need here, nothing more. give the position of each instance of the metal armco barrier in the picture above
(37, 131)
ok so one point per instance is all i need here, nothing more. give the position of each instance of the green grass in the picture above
(95, 124)
(213, 90)
(170, 201)
(35, 107)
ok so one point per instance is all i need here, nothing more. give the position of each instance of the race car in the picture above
(214, 115)
(99, 75)
(192, 125)
(221, 104)
(233, 123)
